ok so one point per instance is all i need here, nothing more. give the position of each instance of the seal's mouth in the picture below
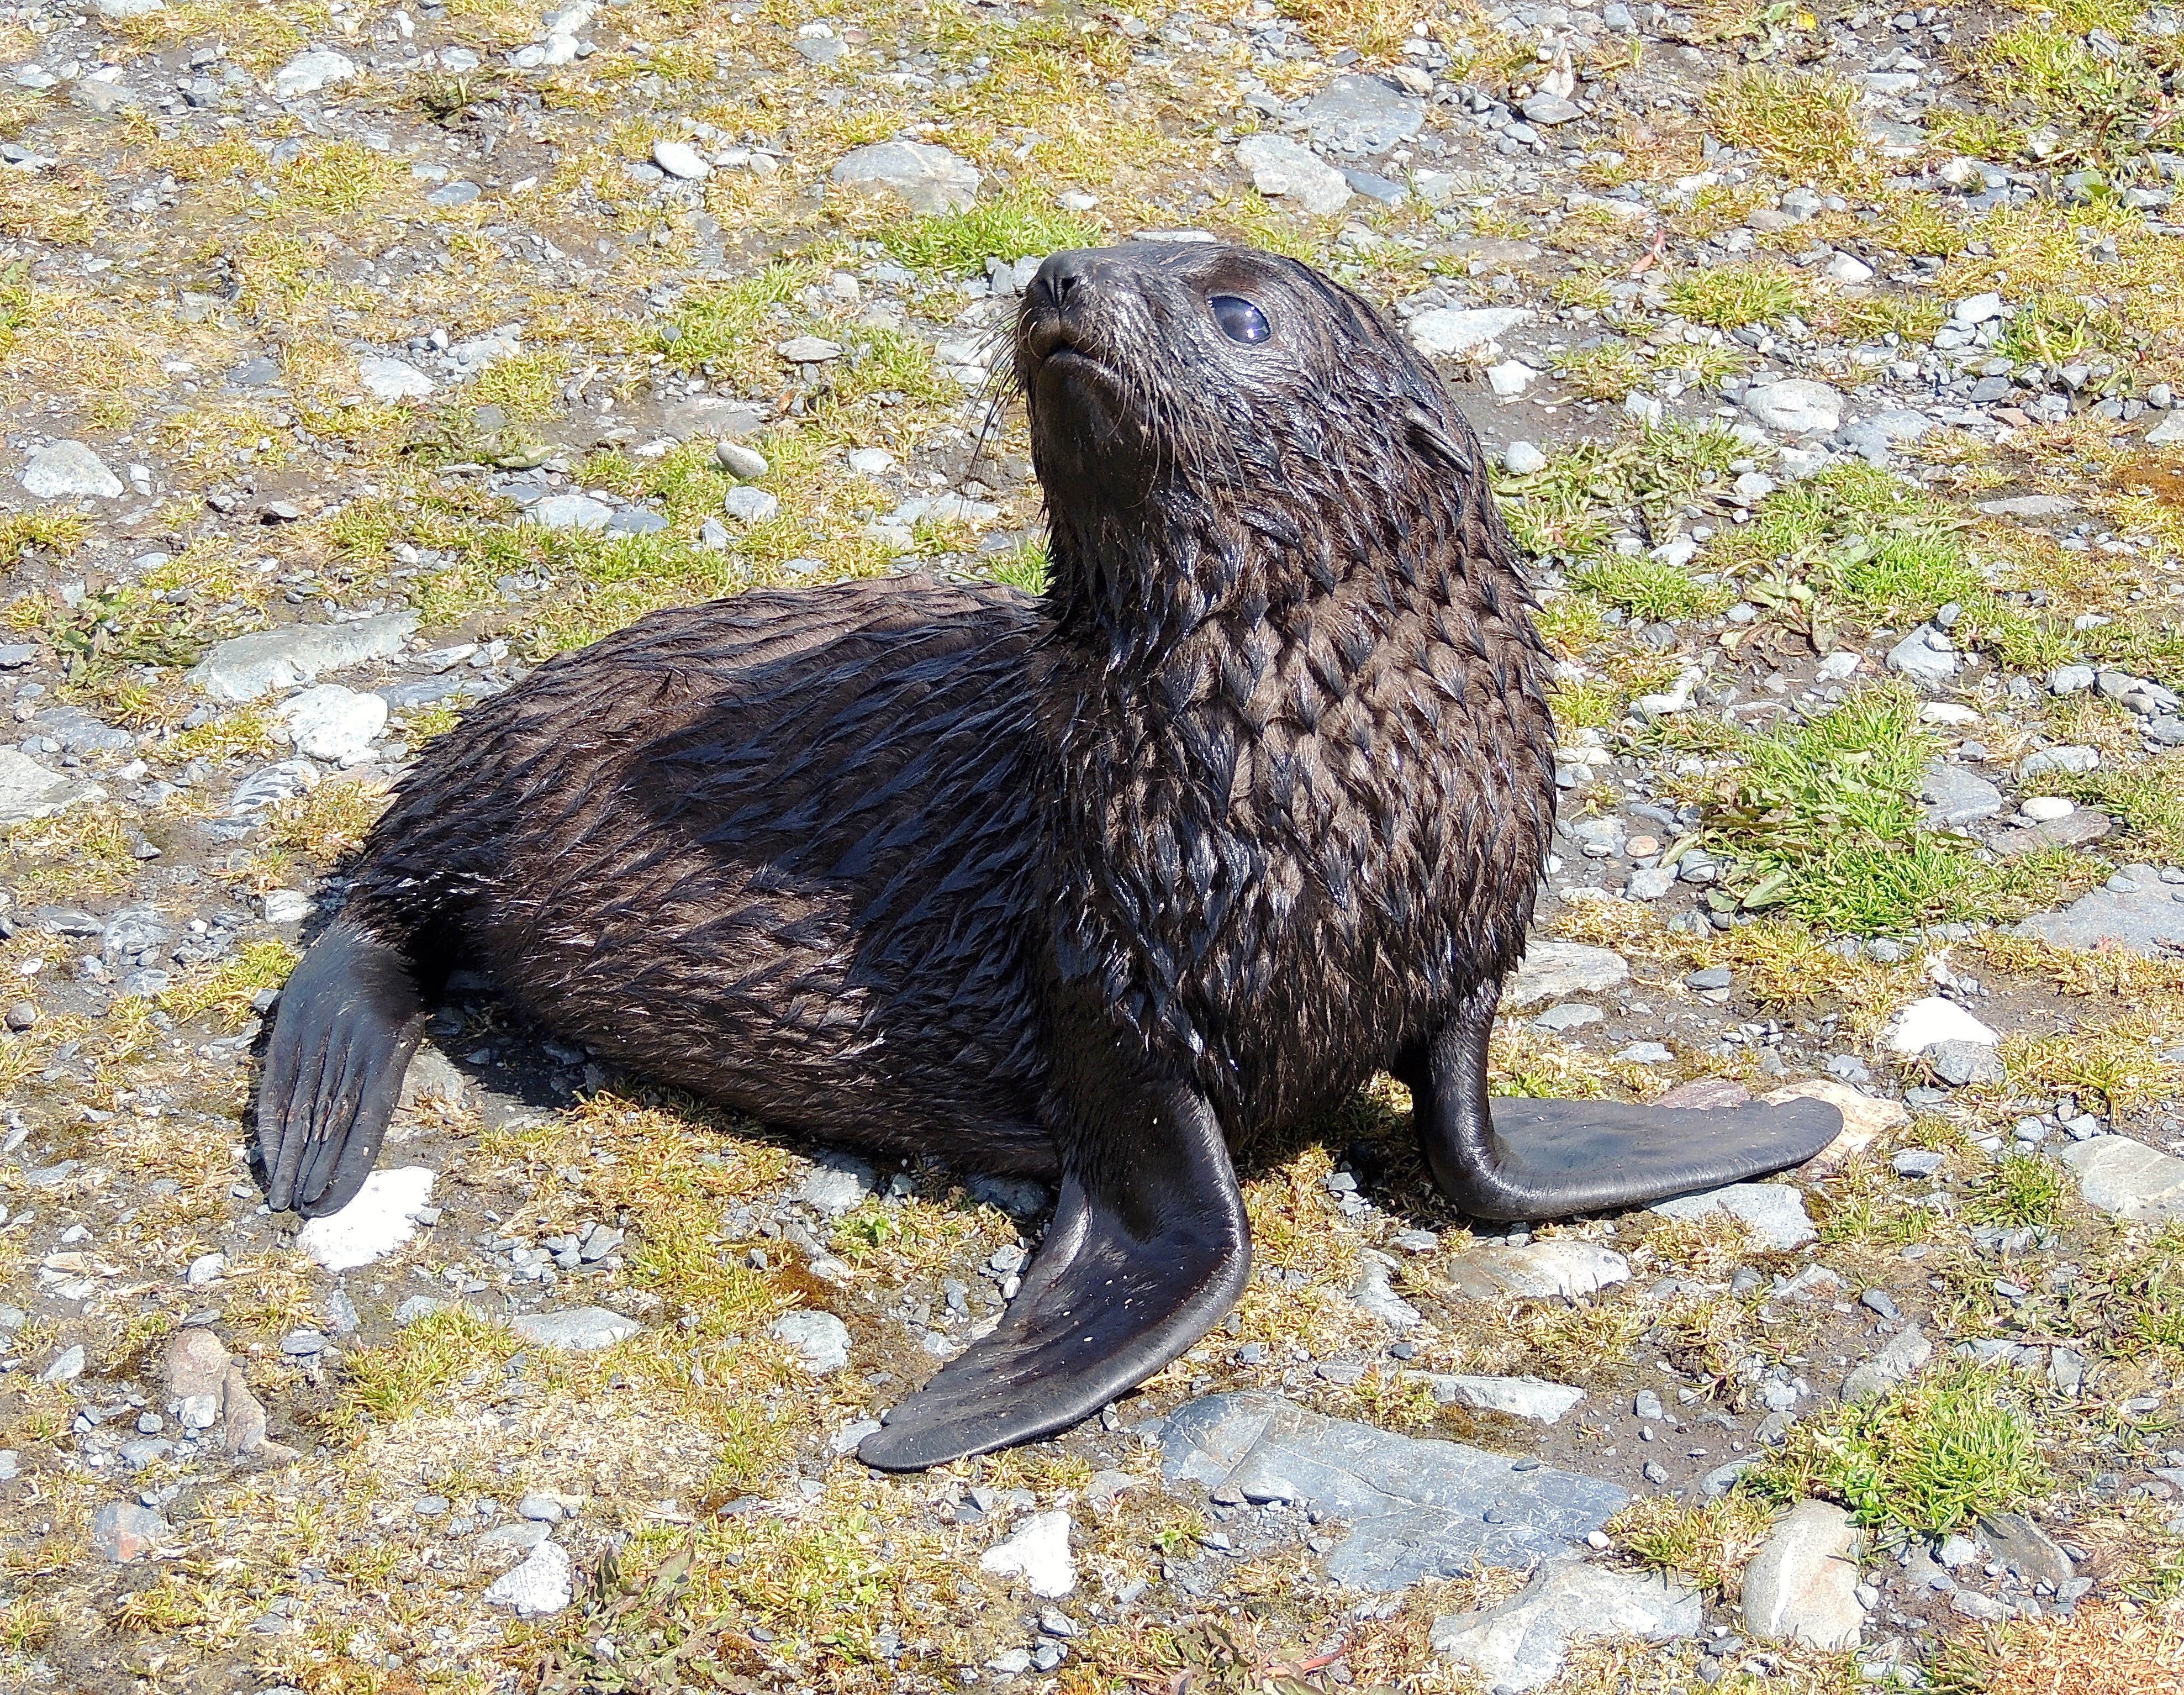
(1054, 345)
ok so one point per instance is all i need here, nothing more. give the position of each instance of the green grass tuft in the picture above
(1012, 227)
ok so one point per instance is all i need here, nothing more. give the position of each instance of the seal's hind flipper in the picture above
(1145, 1254)
(348, 1023)
(1514, 1158)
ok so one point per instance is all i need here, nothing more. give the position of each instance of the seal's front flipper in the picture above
(1512, 1158)
(1149, 1249)
(348, 1023)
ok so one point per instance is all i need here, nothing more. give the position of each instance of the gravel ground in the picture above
(354, 359)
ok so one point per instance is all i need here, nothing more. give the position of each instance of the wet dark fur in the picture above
(1266, 775)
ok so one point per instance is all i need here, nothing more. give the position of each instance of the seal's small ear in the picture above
(1435, 443)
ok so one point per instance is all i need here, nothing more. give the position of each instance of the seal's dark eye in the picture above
(1240, 319)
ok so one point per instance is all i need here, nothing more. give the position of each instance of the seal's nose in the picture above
(1065, 274)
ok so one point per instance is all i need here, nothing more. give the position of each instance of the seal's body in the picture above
(1250, 804)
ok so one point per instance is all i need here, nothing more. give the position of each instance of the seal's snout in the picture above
(1063, 301)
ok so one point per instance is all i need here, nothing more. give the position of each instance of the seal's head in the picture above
(1197, 392)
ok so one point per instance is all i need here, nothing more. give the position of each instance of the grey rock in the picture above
(2127, 1178)
(1955, 797)
(1571, 1015)
(1361, 115)
(836, 1185)
(522, 1535)
(393, 380)
(271, 784)
(544, 1508)
(66, 1366)
(309, 72)
(1796, 406)
(680, 160)
(927, 178)
(68, 471)
(1927, 657)
(2169, 433)
(1522, 1643)
(1961, 1064)
(1461, 331)
(1802, 1585)
(2029, 506)
(1555, 971)
(1417, 1509)
(1917, 1162)
(122, 1531)
(820, 1340)
(2024, 1547)
(28, 790)
(133, 930)
(749, 505)
(570, 512)
(1375, 1290)
(1549, 110)
(810, 349)
(248, 666)
(333, 723)
(1536, 1269)
(1522, 458)
(79, 733)
(1774, 1213)
(1519, 1397)
(636, 521)
(2143, 920)
(448, 197)
(2069, 762)
(2072, 679)
(581, 1328)
(14, 655)
(1283, 168)
(1899, 1359)
(743, 462)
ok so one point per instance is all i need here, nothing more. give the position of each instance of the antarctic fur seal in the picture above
(1251, 803)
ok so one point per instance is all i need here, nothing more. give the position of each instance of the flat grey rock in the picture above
(1954, 797)
(1927, 656)
(308, 72)
(571, 512)
(1417, 1509)
(396, 379)
(837, 1183)
(1555, 971)
(539, 1587)
(1460, 332)
(2025, 1548)
(2029, 506)
(268, 660)
(581, 1328)
(68, 471)
(1283, 168)
(1796, 406)
(2079, 829)
(1361, 115)
(1899, 1358)
(1536, 1269)
(270, 785)
(28, 790)
(2144, 920)
(333, 723)
(927, 179)
(820, 1339)
(1961, 1064)
(1548, 110)
(1522, 1643)
(1802, 1585)
(123, 1531)
(1519, 1397)
(1774, 1213)
(79, 733)
(2127, 1178)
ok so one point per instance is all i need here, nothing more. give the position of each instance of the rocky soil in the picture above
(355, 358)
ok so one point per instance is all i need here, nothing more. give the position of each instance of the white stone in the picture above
(1975, 309)
(1461, 331)
(1899, 1358)
(1774, 1213)
(1281, 168)
(1948, 712)
(288, 906)
(2072, 679)
(1933, 1019)
(871, 461)
(1510, 379)
(1796, 406)
(28, 790)
(393, 379)
(1845, 269)
(2169, 433)
(1375, 1290)
(381, 1219)
(308, 72)
(543, 1584)
(67, 470)
(747, 464)
(1520, 1397)
(1555, 970)
(2045, 809)
(1522, 1644)
(1522, 458)
(680, 160)
(1802, 1585)
(820, 1339)
(333, 723)
(927, 178)
(583, 1329)
(122, 10)
(2128, 1178)
(1038, 1553)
